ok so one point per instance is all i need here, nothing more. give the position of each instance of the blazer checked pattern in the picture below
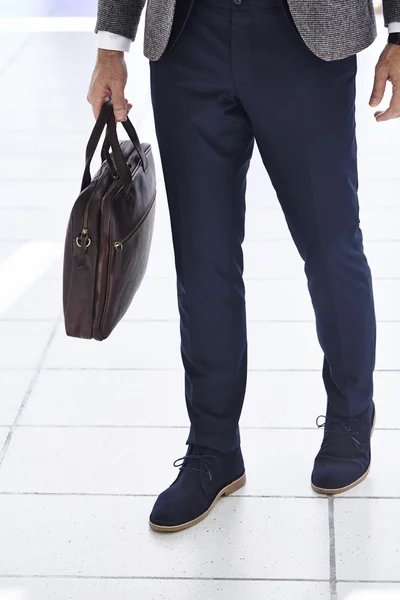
(332, 29)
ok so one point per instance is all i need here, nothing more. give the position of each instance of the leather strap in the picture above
(106, 157)
(119, 159)
(133, 136)
(94, 139)
(121, 170)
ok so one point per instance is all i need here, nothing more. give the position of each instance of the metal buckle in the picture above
(78, 242)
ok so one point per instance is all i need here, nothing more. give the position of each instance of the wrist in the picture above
(104, 52)
(105, 56)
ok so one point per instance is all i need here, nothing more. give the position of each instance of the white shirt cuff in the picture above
(394, 27)
(112, 41)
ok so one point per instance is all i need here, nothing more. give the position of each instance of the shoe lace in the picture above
(203, 461)
(330, 421)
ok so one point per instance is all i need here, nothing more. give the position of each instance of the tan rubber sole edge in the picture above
(226, 491)
(352, 485)
(341, 490)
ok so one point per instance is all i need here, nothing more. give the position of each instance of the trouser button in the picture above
(237, 2)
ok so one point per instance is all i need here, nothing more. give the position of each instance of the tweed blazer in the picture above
(332, 29)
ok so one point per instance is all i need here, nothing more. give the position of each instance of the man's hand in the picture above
(387, 69)
(108, 82)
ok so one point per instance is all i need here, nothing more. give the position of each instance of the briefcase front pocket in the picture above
(127, 264)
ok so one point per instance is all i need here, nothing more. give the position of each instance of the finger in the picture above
(128, 106)
(387, 115)
(120, 108)
(97, 102)
(393, 112)
(379, 87)
(97, 105)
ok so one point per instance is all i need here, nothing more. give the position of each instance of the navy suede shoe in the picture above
(205, 475)
(345, 456)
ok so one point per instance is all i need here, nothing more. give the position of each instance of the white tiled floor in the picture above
(95, 427)
(108, 536)
(66, 589)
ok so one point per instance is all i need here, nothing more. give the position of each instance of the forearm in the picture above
(391, 11)
(119, 17)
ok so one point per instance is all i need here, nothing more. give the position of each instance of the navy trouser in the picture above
(241, 72)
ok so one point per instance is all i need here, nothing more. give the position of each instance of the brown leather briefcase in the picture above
(109, 232)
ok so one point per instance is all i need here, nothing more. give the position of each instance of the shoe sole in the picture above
(332, 492)
(226, 491)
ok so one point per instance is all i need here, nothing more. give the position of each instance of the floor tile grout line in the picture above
(176, 320)
(247, 279)
(169, 369)
(379, 581)
(132, 495)
(28, 392)
(262, 208)
(161, 578)
(88, 426)
(83, 426)
(332, 548)
(227, 499)
(161, 243)
(250, 240)
(163, 369)
(8, 369)
(158, 578)
(342, 498)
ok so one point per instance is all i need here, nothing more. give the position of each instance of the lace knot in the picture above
(203, 460)
(337, 423)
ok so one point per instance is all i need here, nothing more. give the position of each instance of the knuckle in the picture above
(118, 101)
(118, 86)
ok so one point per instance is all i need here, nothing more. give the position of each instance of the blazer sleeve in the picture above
(391, 11)
(121, 17)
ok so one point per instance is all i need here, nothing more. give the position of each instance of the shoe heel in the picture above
(234, 486)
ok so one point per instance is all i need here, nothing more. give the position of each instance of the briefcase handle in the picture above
(133, 136)
(94, 140)
(118, 158)
(106, 118)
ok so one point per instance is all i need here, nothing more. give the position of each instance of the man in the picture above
(282, 72)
